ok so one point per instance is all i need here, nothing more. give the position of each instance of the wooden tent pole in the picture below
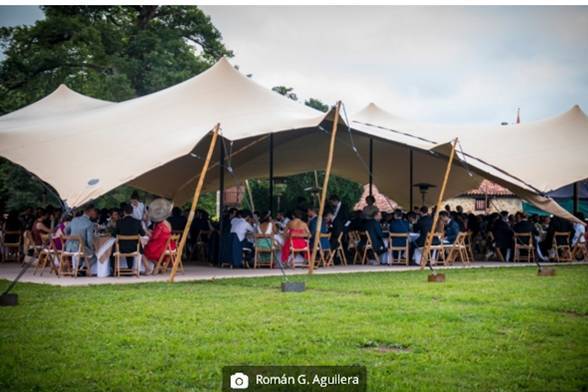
(197, 191)
(319, 219)
(429, 239)
(248, 188)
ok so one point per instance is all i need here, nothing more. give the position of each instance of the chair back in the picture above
(325, 237)
(561, 238)
(136, 238)
(264, 242)
(524, 239)
(460, 240)
(76, 240)
(13, 233)
(303, 236)
(401, 240)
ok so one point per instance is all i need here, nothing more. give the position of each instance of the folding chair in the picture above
(264, 251)
(580, 248)
(200, 247)
(12, 245)
(561, 246)
(326, 255)
(523, 242)
(368, 245)
(458, 250)
(402, 251)
(353, 244)
(136, 254)
(468, 242)
(168, 256)
(435, 251)
(340, 250)
(47, 255)
(305, 250)
(69, 261)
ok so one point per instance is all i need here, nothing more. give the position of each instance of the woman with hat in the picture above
(159, 211)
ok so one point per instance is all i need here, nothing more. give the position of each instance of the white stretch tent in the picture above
(85, 147)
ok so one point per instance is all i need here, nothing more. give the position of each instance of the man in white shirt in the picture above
(241, 226)
(138, 208)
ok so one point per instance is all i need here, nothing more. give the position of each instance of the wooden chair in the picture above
(469, 245)
(201, 246)
(264, 251)
(47, 255)
(167, 258)
(580, 248)
(304, 250)
(523, 242)
(12, 245)
(402, 251)
(69, 261)
(353, 245)
(436, 251)
(326, 255)
(561, 246)
(136, 254)
(368, 245)
(339, 251)
(458, 250)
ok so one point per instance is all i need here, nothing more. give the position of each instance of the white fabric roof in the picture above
(85, 147)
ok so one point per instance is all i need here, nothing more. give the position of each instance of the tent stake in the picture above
(197, 191)
(319, 219)
(429, 239)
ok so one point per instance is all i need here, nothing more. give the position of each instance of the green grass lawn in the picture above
(495, 329)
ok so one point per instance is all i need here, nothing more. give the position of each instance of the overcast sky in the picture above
(436, 64)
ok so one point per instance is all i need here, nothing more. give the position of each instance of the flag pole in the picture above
(429, 239)
(319, 219)
(197, 192)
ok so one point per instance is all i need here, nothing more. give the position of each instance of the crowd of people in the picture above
(235, 233)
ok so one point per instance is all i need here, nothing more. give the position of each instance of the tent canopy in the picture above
(85, 147)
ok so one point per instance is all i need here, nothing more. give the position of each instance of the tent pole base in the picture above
(436, 278)
(546, 271)
(293, 287)
(9, 299)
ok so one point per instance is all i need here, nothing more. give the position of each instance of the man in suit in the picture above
(423, 227)
(398, 225)
(503, 235)
(451, 227)
(340, 219)
(83, 227)
(128, 225)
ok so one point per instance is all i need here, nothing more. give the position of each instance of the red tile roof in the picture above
(489, 188)
(382, 202)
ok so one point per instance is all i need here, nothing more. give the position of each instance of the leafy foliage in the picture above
(108, 52)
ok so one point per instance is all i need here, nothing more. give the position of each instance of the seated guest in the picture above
(83, 226)
(312, 222)
(282, 221)
(370, 210)
(296, 230)
(374, 230)
(39, 228)
(13, 223)
(60, 230)
(423, 227)
(451, 227)
(159, 211)
(177, 220)
(398, 225)
(128, 225)
(579, 231)
(503, 235)
(112, 220)
(242, 226)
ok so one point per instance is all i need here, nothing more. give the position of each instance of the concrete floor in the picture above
(10, 270)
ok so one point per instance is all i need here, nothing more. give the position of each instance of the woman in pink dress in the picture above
(297, 235)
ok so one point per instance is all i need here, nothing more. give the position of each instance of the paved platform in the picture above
(10, 270)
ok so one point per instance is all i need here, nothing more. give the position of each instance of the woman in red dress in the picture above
(159, 210)
(297, 235)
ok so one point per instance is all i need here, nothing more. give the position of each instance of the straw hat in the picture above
(160, 209)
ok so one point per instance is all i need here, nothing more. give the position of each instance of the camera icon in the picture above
(239, 381)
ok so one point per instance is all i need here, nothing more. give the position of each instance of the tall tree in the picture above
(317, 104)
(108, 52)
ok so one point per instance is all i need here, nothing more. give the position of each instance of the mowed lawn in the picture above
(494, 329)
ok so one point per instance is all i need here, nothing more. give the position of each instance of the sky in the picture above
(452, 65)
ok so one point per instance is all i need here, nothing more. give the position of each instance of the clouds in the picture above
(443, 64)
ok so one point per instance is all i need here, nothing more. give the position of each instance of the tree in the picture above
(286, 91)
(317, 104)
(108, 52)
